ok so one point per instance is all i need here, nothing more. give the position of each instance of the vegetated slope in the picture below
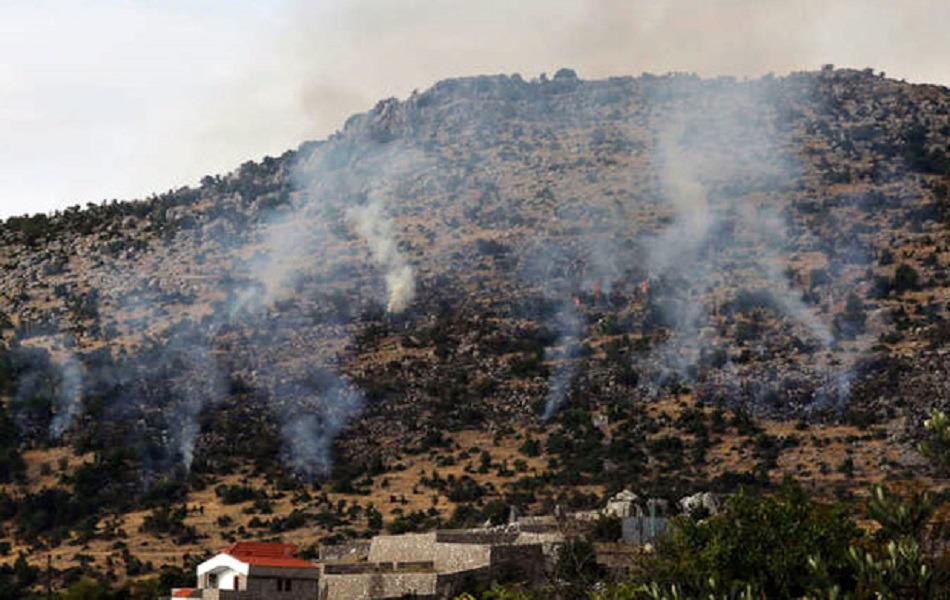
(613, 275)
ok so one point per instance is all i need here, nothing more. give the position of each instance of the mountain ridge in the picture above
(619, 276)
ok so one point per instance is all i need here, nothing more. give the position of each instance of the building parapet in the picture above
(420, 566)
(348, 551)
(470, 536)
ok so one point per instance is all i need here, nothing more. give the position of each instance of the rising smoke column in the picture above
(312, 415)
(175, 369)
(568, 324)
(68, 399)
(355, 186)
(349, 190)
(376, 229)
(679, 255)
(289, 239)
(771, 230)
(719, 157)
(336, 194)
(199, 389)
(547, 267)
(295, 241)
(310, 410)
(41, 375)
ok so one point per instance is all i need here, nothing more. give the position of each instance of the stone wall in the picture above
(518, 563)
(419, 586)
(468, 536)
(363, 586)
(619, 558)
(213, 594)
(384, 567)
(447, 558)
(353, 550)
(550, 543)
(266, 587)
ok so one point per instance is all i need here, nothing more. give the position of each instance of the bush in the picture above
(851, 322)
(531, 447)
(414, 521)
(235, 494)
(170, 521)
(47, 512)
(937, 445)
(87, 588)
(906, 279)
(465, 489)
(12, 467)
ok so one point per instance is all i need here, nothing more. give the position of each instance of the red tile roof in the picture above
(183, 593)
(265, 554)
(285, 563)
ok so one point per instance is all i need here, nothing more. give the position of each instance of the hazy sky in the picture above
(104, 99)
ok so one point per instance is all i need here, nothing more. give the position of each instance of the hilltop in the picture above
(494, 292)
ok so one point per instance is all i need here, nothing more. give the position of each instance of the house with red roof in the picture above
(254, 571)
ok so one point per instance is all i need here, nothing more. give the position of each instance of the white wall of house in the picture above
(226, 578)
(225, 568)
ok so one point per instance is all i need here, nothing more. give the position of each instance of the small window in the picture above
(212, 580)
(287, 584)
(283, 585)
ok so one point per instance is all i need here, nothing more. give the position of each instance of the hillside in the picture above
(493, 292)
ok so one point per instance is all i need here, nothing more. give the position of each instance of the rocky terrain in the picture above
(494, 292)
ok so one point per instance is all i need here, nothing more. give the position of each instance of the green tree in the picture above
(147, 589)
(87, 588)
(758, 543)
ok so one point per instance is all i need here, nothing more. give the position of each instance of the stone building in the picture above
(434, 565)
(254, 571)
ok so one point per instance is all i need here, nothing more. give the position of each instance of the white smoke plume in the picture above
(772, 230)
(678, 254)
(547, 265)
(375, 227)
(569, 324)
(289, 242)
(309, 431)
(68, 399)
(306, 238)
(718, 159)
(712, 144)
(198, 387)
(46, 369)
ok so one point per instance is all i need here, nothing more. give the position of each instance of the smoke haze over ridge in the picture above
(96, 103)
(707, 161)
